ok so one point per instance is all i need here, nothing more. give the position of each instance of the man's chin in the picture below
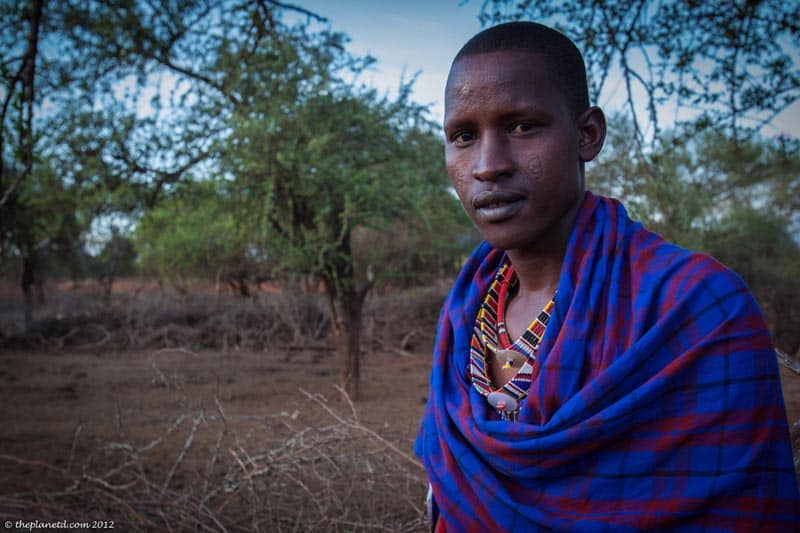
(507, 242)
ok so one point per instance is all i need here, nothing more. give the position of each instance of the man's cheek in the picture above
(460, 181)
(534, 167)
(461, 186)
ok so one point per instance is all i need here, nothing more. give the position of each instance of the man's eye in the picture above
(463, 137)
(521, 127)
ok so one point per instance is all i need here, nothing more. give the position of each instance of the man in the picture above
(587, 375)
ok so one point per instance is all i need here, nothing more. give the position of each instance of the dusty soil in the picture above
(136, 395)
(93, 417)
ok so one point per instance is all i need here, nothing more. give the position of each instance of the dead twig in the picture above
(331, 474)
(788, 361)
(102, 342)
(368, 431)
(34, 463)
(182, 455)
(75, 435)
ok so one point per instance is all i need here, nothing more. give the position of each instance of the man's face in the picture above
(512, 149)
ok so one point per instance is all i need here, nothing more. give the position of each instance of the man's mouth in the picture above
(496, 206)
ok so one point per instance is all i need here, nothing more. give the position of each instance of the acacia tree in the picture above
(308, 159)
(256, 101)
(195, 232)
(312, 156)
(335, 159)
(733, 62)
(19, 77)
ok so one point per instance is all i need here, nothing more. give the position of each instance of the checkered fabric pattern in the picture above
(655, 401)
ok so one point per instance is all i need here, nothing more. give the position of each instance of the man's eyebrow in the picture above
(522, 112)
(526, 110)
(457, 123)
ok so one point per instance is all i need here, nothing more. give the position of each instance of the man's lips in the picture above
(494, 198)
(496, 206)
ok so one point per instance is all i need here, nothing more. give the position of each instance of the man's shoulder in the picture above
(642, 252)
(675, 274)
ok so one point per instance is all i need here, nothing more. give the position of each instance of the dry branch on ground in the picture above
(334, 474)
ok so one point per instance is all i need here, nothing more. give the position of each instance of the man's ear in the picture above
(591, 133)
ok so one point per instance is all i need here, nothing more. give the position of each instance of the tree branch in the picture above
(27, 76)
(298, 9)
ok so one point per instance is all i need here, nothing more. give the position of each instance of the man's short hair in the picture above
(562, 57)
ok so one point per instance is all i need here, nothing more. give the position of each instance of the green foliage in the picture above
(325, 166)
(36, 224)
(79, 126)
(194, 233)
(686, 180)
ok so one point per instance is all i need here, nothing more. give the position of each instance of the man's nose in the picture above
(494, 159)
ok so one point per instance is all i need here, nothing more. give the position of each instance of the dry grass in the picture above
(284, 473)
(319, 468)
(148, 317)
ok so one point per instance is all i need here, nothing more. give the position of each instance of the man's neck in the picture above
(538, 280)
(537, 273)
(538, 270)
(538, 267)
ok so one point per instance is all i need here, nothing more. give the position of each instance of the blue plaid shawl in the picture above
(655, 401)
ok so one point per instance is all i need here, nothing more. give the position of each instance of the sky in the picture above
(405, 36)
(409, 36)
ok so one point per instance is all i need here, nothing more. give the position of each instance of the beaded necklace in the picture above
(490, 340)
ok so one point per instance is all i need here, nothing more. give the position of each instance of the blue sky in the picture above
(414, 35)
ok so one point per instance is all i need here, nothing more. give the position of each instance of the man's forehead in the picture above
(493, 69)
(495, 66)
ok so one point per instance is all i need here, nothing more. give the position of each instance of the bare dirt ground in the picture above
(250, 434)
(104, 433)
(46, 396)
(62, 408)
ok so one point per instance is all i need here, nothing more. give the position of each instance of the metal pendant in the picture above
(511, 358)
(505, 404)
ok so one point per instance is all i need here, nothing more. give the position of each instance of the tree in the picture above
(195, 232)
(731, 62)
(297, 160)
(757, 244)
(316, 169)
(257, 144)
(19, 75)
(685, 182)
(36, 228)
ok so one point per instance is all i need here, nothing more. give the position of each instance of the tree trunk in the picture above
(108, 287)
(347, 331)
(29, 267)
(38, 285)
(347, 305)
(346, 300)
